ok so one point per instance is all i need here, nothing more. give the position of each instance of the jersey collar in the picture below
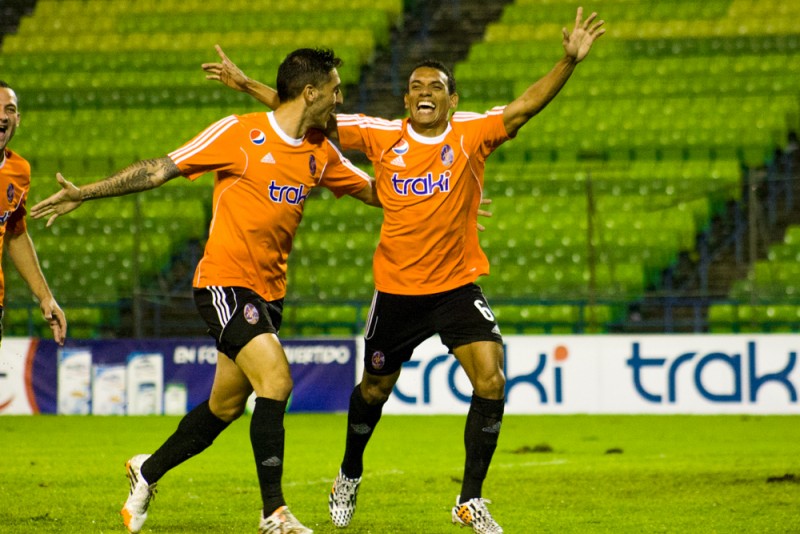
(288, 139)
(426, 140)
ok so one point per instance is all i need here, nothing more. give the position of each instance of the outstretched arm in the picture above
(140, 176)
(23, 255)
(227, 73)
(576, 46)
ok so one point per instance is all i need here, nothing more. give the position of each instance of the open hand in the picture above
(226, 72)
(66, 200)
(578, 43)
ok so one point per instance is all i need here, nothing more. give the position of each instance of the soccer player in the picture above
(15, 180)
(265, 164)
(429, 175)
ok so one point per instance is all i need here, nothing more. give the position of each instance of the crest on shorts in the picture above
(447, 155)
(378, 360)
(250, 313)
(10, 192)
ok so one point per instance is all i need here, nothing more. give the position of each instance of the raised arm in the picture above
(140, 176)
(23, 255)
(227, 73)
(576, 46)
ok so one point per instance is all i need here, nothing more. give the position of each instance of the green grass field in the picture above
(556, 474)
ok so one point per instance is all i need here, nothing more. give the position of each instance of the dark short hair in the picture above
(305, 66)
(5, 85)
(441, 67)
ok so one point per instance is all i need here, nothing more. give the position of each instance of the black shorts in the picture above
(235, 315)
(398, 323)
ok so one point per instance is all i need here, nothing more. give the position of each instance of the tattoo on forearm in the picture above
(140, 176)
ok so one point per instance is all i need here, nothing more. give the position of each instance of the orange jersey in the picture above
(15, 180)
(262, 180)
(430, 189)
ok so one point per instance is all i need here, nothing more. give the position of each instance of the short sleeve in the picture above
(484, 130)
(16, 222)
(341, 176)
(213, 149)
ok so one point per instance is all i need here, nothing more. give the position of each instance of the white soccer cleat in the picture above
(342, 499)
(282, 521)
(474, 513)
(134, 512)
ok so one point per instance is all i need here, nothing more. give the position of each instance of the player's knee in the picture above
(491, 386)
(284, 388)
(227, 411)
(277, 387)
(375, 393)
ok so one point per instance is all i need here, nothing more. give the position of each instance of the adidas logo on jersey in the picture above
(268, 158)
(398, 161)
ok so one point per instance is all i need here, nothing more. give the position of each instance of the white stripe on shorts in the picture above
(220, 302)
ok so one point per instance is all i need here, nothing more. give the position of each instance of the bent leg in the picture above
(366, 407)
(200, 427)
(230, 390)
(264, 363)
(483, 363)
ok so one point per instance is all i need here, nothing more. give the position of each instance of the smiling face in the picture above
(325, 99)
(9, 117)
(429, 101)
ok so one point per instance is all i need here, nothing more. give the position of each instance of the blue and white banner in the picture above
(666, 374)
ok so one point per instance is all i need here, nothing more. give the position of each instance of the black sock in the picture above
(480, 440)
(197, 430)
(267, 437)
(361, 421)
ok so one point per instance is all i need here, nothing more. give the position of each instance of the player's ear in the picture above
(310, 93)
(405, 101)
(453, 100)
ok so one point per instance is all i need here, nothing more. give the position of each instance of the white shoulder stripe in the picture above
(346, 163)
(461, 116)
(205, 138)
(368, 122)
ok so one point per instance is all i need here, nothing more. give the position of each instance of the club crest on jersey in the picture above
(401, 147)
(257, 137)
(447, 155)
(10, 192)
(378, 360)
(250, 313)
(312, 164)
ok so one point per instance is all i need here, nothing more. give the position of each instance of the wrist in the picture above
(249, 85)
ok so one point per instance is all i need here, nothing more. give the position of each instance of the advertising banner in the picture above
(648, 374)
(666, 374)
(16, 370)
(112, 377)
